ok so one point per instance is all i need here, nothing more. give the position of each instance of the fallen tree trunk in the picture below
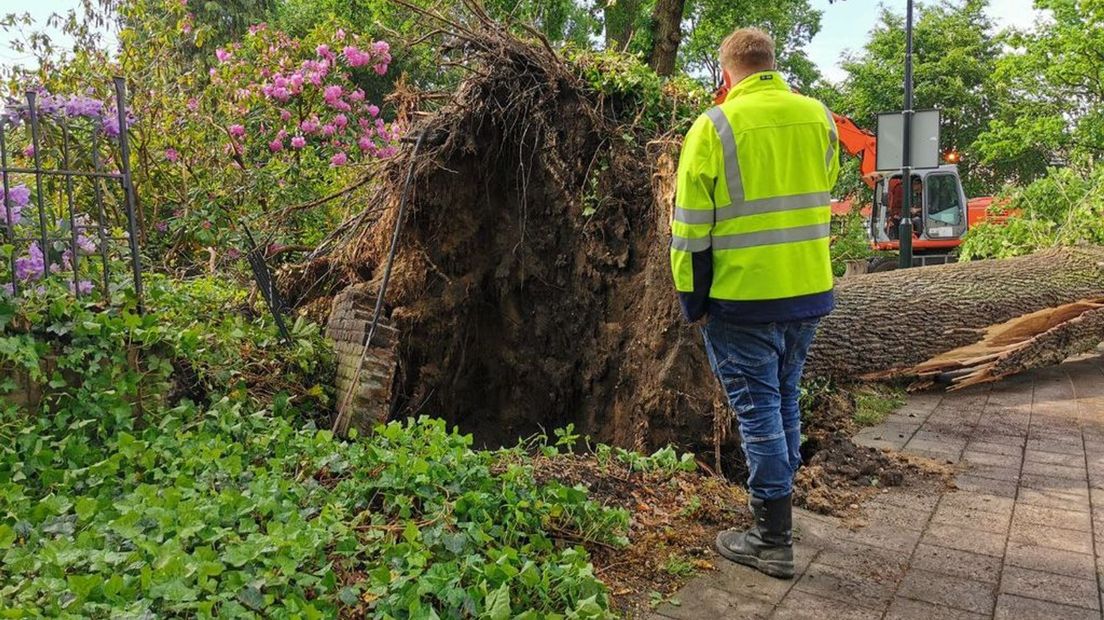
(939, 319)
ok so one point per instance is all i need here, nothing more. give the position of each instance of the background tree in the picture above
(792, 23)
(955, 54)
(1051, 92)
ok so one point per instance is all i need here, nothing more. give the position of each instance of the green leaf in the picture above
(498, 603)
(7, 536)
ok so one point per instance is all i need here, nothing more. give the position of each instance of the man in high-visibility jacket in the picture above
(749, 254)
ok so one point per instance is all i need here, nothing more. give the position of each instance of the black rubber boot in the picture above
(768, 545)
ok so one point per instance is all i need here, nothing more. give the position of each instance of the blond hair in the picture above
(749, 49)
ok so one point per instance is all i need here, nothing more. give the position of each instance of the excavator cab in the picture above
(938, 212)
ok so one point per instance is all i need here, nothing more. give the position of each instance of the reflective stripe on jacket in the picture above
(751, 225)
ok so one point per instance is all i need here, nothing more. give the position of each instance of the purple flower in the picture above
(357, 95)
(172, 154)
(32, 266)
(161, 226)
(84, 287)
(324, 51)
(86, 245)
(365, 143)
(222, 55)
(381, 48)
(298, 142)
(18, 196)
(29, 151)
(373, 110)
(83, 106)
(310, 125)
(193, 104)
(276, 146)
(340, 121)
(237, 131)
(339, 159)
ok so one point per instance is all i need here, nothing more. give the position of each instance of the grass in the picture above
(874, 403)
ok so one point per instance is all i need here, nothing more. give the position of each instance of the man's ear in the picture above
(727, 77)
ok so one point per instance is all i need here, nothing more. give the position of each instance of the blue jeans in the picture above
(760, 368)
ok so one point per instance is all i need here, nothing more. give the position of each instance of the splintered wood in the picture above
(1039, 338)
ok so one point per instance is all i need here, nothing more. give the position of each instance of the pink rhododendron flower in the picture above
(295, 82)
(161, 226)
(328, 130)
(222, 55)
(237, 131)
(206, 225)
(298, 142)
(340, 34)
(276, 146)
(373, 110)
(381, 48)
(172, 154)
(340, 121)
(193, 104)
(285, 115)
(324, 51)
(309, 126)
(332, 94)
(339, 159)
(381, 69)
(29, 151)
(365, 143)
(281, 94)
(356, 96)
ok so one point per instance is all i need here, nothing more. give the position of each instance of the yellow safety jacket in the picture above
(749, 236)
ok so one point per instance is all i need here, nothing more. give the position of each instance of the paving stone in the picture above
(955, 537)
(1050, 560)
(907, 517)
(800, 605)
(1052, 498)
(971, 518)
(948, 591)
(982, 502)
(920, 500)
(880, 444)
(1059, 447)
(1053, 517)
(1050, 483)
(699, 600)
(988, 486)
(1032, 468)
(884, 536)
(1050, 587)
(745, 583)
(974, 457)
(891, 430)
(1043, 536)
(990, 447)
(1014, 440)
(952, 562)
(1011, 474)
(845, 586)
(875, 562)
(907, 609)
(1053, 458)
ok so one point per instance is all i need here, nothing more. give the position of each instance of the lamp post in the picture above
(905, 231)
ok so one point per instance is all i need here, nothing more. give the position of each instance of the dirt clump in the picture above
(675, 517)
(838, 474)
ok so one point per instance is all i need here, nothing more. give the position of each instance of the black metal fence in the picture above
(77, 214)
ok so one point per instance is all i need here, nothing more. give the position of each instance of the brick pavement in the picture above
(1021, 537)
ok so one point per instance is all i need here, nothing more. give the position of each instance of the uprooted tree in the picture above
(531, 286)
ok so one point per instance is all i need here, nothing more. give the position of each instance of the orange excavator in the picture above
(940, 210)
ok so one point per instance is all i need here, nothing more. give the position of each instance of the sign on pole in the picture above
(925, 140)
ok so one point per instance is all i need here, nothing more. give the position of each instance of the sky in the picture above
(845, 25)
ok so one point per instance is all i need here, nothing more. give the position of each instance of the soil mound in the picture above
(531, 284)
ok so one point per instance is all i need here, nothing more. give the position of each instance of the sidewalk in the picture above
(1020, 538)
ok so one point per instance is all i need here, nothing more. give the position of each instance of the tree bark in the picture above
(666, 35)
(900, 319)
